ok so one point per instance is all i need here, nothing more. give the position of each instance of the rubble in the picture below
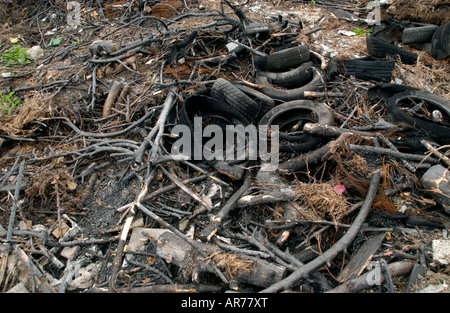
(100, 191)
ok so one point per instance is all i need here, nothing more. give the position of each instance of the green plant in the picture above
(9, 102)
(362, 32)
(15, 55)
(55, 42)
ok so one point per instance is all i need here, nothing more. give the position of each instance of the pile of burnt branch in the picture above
(94, 199)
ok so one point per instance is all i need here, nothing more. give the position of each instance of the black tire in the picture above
(205, 106)
(315, 84)
(381, 49)
(367, 68)
(437, 130)
(225, 91)
(440, 43)
(290, 112)
(385, 91)
(212, 111)
(265, 102)
(260, 28)
(296, 77)
(418, 34)
(283, 59)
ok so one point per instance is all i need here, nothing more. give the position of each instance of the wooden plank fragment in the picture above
(359, 261)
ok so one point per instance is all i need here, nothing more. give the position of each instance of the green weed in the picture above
(9, 102)
(362, 32)
(15, 55)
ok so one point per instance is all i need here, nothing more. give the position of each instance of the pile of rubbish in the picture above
(117, 174)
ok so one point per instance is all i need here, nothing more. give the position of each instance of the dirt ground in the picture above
(75, 171)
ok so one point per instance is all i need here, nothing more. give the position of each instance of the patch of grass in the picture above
(9, 102)
(15, 55)
(362, 32)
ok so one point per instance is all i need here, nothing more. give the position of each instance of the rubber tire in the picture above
(319, 113)
(258, 28)
(381, 49)
(440, 132)
(296, 77)
(265, 102)
(367, 68)
(225, 91)
(418, 34)
(440, 43)
(385, 91)
(315, 84)
(205, 106)
(283, 59)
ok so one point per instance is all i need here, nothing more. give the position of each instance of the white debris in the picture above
(347, 33)
(19, 288)
(433, 288)
(86, 277)
(441, 251)
(231, 46)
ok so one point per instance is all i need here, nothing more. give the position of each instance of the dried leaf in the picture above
(72, 185)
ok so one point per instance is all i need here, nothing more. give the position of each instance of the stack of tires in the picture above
(283, 76)
(286, 74)
(427, 37)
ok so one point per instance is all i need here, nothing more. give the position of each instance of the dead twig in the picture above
(157, 130)
(367, 280)
(321, 154)
(436, 152)
(112, 96)
(191, 194)
(339, 246)
(397, 154)
(182, 236)
(219, 218)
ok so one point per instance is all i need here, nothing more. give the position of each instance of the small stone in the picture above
(35, 52)
(70, 252)
(441, 251)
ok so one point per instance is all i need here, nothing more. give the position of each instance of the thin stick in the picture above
(12, 217)
(105, 135)
(111, 99)
(218, 219)
(400, 155)
(157, 129)
(391, 146)
(365, 282)
(118, 257)
(172, 187)
(181, 235)
(433, 150)
(177, 182)
(339, 246)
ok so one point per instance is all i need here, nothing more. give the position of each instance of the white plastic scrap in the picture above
(441, 251)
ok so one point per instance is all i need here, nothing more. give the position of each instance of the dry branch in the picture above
(111, 99)
(365, 281)
(338, 247)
